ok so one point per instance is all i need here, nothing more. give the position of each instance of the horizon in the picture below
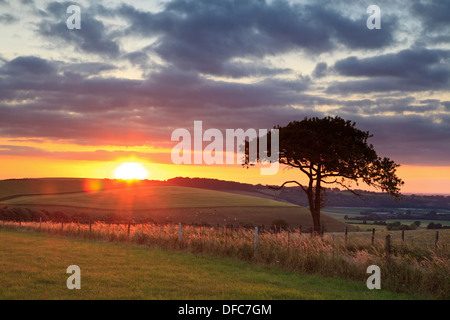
(82, 100)
(253, 184)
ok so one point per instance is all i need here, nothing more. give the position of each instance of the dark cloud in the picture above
(87, 68)
(71, 105)
(26, 66)
(407, 70)
(205, 36)
(435, 21)
(435, 15)
(320, 71)
(7, 18)
(411, 139)
(124, 112)
(138, 58)
(446, 105)
(93, 37)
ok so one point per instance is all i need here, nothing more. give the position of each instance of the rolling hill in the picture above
(152, 201)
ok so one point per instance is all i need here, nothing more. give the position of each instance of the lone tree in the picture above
(333, 151)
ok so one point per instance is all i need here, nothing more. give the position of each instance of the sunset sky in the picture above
(79, 103)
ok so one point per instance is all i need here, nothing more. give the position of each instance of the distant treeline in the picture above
(27, 214)
(408, 215)
(334, 196)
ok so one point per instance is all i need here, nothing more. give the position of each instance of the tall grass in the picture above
(414, 267)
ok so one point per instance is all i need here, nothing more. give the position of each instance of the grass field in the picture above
(155, 197)
(33, 266)
(339, 213)
(415, 265)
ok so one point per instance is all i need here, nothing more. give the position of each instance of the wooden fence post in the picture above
(179, 232)
(128, 231)
(436, 240)
(345, 239)
(289, 238)
(388, 247)
(373, 236)
(403, 236)
(333, 244)
(40, 223)
(255, 244)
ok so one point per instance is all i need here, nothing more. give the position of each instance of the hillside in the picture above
(335, 197)
(147, 201)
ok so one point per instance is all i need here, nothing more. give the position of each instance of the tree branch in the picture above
(292, 181)
(356, 194)
(329, 182)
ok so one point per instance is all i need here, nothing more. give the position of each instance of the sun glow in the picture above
(131, 171)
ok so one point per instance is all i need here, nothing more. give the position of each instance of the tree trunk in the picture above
(315, 210)
(315, 213)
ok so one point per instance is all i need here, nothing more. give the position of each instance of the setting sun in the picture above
(131, 170)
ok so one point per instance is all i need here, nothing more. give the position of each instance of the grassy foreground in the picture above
(33, 266)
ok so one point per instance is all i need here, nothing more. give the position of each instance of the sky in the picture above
(79, 102)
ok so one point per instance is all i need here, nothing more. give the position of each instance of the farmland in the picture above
(415, 266)
(217, 226)
(339, 213)
(33, 267)
(151, 202)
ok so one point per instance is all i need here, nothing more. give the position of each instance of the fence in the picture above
(186, 234)
(418, 267)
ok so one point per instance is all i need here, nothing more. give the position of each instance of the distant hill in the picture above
(147, 200)
(335, 197)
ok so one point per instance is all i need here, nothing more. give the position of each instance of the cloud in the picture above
(407, 70)
(137, 58)
(87, 68)
(97, 155)
(11, 150)
(434, 14)
(7, 18)
(411, 139)
(205, 36)
(26, 66)
(93, 37)
(320, 71)
(61, 101)
(231, 64)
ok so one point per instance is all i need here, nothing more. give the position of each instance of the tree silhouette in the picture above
(333, 151)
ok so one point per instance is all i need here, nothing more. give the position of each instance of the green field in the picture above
(155, 197)
(339, 213)
(33, 266)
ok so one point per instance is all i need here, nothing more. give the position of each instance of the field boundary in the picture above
(407, 268)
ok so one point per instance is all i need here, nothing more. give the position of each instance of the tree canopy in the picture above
(332, 150)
